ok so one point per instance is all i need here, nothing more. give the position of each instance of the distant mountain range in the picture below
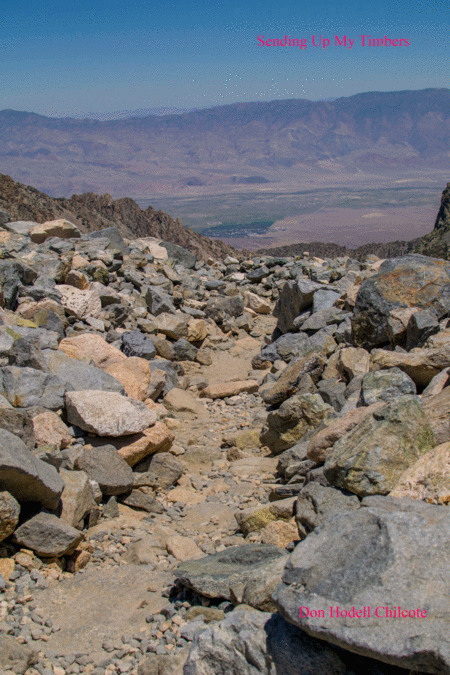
(356, 140)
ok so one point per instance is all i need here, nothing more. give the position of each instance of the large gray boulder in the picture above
(316, 503)
(79, 376)
(258, 643)
(383, 569)
(385, 385)
(370, 458)
(26, 477)
(295, 296)
(410, 281)
(28, 387)
(48, 536)
(108, 468)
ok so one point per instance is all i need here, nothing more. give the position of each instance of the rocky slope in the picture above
(93, 212)
(192, 452)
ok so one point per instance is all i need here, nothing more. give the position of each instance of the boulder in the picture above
(179, 254)
(93, 346)
(183, 548)
(104, 465)
(48, 536)
(137, 499)
(316, 503)
(158, 301)
(353, 361)
(79, 376)
(374, 582)
(179, 400)
(385, 385)
(49, 429)
(27, 478)
(61, 228)
(370, 458)
(256, 303)
(420, 364)
(162, 472)
(106, 413)
(293, 419)
(135, 343)
(298, 345)
(134, 374)
(77, 499)
(175, 326)
(27, 387)
(437, 410)
(215, 575)
(410, 281)
(9, 514)
(19, 424)
(320, 445)
(295, 296)
(80, 304)
(256, 518)
(14, 657)
(290, 379)
(137, 447)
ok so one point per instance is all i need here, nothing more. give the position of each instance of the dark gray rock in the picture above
(172, 377)
(215, 575)
(332, 392)
(26, 353)
(108, 468)
(299, 345)
(158, 301)
(410, 281)
(78, 376)
(19, 424)
(159, 471)
(295, 296)
(116, 243)
(184, 350)
(390, 554)
(223, 308)
(324, 298)
(27, 387)
(135, 343)
(316, 503)
(139, 500)
(385, 385)
(27, 478)
(180, 254)
(47, 535)
(258, 274)
(421, 326)
(214, 284)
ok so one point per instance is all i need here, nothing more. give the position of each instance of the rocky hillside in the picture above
(238, 466)
(94, 212)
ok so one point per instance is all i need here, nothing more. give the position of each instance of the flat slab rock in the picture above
(391, 554)
(47, 535)
(214, 575)
(107, 413)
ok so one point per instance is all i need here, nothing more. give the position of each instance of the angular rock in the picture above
(320, 445)
(80, 304)
(19, 424)
(27, 387)
(179, 400)
(49, 429)
(183, 548)
(394, 545)
(253, 519)
(104, 465)
(175, 326)
(256, 303)
(295, 296)
(135, 376)
(163, 471)
(316, 503)
(353, 361)
(223, 308)
(48, 536)
(142, 501)
(226, 389)
(93, 346)
(370, 459)
(294, 418)
(134, 449)
(158, 301)
(27, 478)
(77, 498)
(106, 413)
(79, 376)
(421, 326)
(290, 379)
(184, 350)
(14, 657)
(197, 330)
(180, 254)
(135, 343)
(421, 365)
(385, 385)
(409, 281)
(437, 410)
(215, 575)
(61, 228)
(9, 514)
(279, 533)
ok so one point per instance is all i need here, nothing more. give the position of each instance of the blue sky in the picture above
(70, 58)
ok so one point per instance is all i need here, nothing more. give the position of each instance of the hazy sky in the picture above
(93, 56)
